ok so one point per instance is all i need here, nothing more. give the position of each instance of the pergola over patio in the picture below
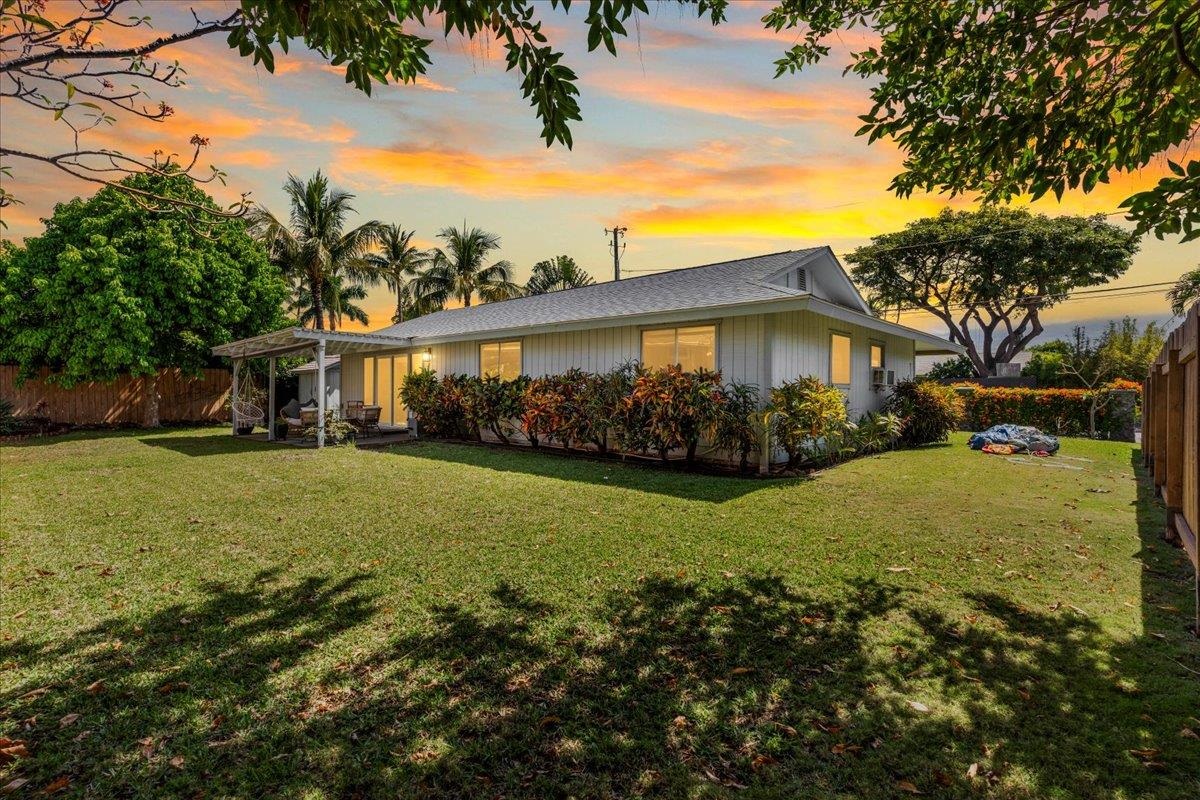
(298, 341)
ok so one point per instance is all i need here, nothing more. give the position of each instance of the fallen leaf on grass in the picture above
(841, 747)
(1025, 695)
(147, 747)
(973, 770)
(680, 722)
(917, 706)
(177, 762)
(741, 670)
(899, 569)
(1188, 733)
(57, 785)
(761, 761)
(12, 749)
(95, 687)
(68, 719)
(908, 786)
(13, 785)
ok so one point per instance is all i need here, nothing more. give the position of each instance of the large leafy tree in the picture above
(398, 263)
(459, 271)
(111, 288)
(314, 246)
(1004, 99)
(554, 274)
(988, 274)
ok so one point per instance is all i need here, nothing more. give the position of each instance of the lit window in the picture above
(691, 348)
(500, 359)
(839, 359)
(369, 381)
(876, 356)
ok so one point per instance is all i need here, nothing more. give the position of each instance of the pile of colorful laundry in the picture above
(1006, 440)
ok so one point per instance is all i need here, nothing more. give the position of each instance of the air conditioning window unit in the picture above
(883, 377)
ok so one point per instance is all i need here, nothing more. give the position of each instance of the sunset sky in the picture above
(686, 139)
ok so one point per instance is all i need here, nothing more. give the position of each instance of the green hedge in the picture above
(1063, 412)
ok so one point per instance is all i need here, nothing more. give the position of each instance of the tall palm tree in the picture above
(399, 264)
(339, 303)
(458, 271)
(560, 272)
(315, 246)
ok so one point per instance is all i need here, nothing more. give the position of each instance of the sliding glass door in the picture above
(383, 378)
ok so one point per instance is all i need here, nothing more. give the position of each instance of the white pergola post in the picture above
(233, 396)
(320, 393)
(271, 400)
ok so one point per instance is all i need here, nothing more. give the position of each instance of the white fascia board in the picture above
(927, 343)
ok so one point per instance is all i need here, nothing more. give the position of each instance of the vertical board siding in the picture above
(182, 398)
(800, 347)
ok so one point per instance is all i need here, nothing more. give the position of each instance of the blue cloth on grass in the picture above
(1021, 437)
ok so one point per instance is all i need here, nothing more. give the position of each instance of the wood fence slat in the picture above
(184, 398)
(1171, 436)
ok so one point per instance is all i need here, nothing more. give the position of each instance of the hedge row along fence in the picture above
(1064, 412)
(655, 413)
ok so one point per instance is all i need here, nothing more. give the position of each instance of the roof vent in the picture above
(802, 280)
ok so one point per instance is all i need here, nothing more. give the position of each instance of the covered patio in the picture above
(297, 342)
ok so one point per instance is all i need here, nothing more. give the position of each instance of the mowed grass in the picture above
(190, 615)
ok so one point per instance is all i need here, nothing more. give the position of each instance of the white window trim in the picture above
(714, 324)
(481, 343)
(882, 353)
(849, 367)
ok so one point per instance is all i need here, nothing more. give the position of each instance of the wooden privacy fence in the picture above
(1171, 435)
(182, 398)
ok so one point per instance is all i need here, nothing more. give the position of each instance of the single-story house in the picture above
(759, 320)
(306, 381)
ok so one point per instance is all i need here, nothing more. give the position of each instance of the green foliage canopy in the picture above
(111, 287)
(991, 272)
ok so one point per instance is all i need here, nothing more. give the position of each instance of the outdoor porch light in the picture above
(427, 356)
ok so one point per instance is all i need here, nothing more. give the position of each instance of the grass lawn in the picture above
(190, 615)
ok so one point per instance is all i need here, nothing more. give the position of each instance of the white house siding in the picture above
(795, 343)
(800, 346)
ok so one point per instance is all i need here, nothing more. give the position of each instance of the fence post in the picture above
(1172, 483)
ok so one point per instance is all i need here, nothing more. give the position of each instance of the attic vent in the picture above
(802, 280)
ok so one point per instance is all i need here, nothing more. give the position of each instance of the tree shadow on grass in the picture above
(667, 688)
(642, 476)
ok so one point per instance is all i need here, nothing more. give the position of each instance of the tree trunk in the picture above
(318, 289)
(399, 317)
(150, 399)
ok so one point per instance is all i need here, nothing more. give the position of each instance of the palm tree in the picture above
(459, 271)
(339, 303)
(560, 272)
(399, 264)
(315, 248)
(1185, 292)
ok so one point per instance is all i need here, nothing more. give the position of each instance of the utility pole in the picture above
(617, 248)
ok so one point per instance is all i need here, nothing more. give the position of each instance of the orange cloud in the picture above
(714, 170)
(764, 104)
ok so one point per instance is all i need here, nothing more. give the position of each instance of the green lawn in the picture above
(190, 615)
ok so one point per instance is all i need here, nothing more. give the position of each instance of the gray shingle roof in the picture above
(725, 283)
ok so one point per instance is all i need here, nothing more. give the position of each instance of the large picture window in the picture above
(500, 359)
(839, 359)
(691, 348)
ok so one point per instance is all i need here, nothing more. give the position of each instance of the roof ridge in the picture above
(622, 280)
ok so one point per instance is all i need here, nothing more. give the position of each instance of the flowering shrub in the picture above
(929, 411)
(1063, 412)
